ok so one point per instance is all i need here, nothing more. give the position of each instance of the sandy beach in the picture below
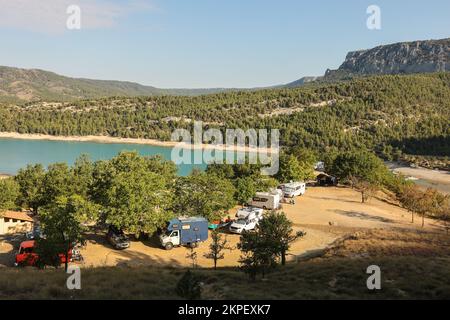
(437, 179)
(152, 142)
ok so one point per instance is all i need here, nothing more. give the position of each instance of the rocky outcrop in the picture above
(398, 58)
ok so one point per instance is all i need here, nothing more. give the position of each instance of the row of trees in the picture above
(133, 193)
(429, 202)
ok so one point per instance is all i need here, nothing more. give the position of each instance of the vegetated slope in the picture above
(397, 58)
(24, 85)
(414, 265)
(387, 114)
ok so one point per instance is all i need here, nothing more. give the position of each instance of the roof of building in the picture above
(28, 244)
(23, 216)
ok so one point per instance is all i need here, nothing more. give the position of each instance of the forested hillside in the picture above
(388, 114)
(25, 85)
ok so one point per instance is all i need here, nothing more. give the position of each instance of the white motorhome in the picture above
(267, 200)
(293, 189)
(249, 213)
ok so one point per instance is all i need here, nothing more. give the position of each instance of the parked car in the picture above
(117, 238)
(27, 255)
(184, 231)
(242, 225)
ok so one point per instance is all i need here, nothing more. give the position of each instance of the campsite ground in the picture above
(325, 214)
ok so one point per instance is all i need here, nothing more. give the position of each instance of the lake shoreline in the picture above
(423, 177)
(138, 141)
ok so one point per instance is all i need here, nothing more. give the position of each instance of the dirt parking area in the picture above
(325, 214)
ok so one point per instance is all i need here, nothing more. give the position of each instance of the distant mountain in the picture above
(300, 82)
(399, 58)
(24, 85)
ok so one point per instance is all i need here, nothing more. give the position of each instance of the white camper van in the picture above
(267, 200)
(249, 213)
(293, 189)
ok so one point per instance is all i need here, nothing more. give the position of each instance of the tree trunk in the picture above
(283, 257)
(423, 220)
(66, 263)
(412, 216)
(362, 197)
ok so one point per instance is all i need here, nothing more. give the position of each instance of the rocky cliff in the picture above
(398, 58)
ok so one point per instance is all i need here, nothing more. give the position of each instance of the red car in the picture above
(28, 257)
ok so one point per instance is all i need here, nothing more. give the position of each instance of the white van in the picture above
(267, 200)
(249, 213)
(293, 189)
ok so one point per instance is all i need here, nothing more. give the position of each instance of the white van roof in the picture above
(293, 184)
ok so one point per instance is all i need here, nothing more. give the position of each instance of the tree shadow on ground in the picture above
(336, 199)
(133, 258)
(129, 257)
(363, 216)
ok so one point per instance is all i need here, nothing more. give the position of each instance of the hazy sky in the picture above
(206, 43)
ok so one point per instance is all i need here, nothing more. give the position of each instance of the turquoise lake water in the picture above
(16, 153)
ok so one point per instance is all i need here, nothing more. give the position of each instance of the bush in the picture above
(189, 287)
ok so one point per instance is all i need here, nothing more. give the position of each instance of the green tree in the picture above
(31, 180)
(189, 287)
(216, 248)
(245, 189)
(265, 184)
(134, 198)
(276, 228)
(257, 254)
(291, 168)
(9, 194)
(62, 223)
(58, 182)
(203, 194)
(362, 165)
(82, 175)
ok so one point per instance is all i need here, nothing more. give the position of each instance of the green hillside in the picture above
(387, 114)
(23, 85)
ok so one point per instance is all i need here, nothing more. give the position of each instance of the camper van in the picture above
(184, 231)
(249, 213)
(293, 189)
(267, 200)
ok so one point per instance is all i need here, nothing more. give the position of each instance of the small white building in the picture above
(15, 222)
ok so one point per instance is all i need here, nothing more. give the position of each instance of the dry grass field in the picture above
(414, 264)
